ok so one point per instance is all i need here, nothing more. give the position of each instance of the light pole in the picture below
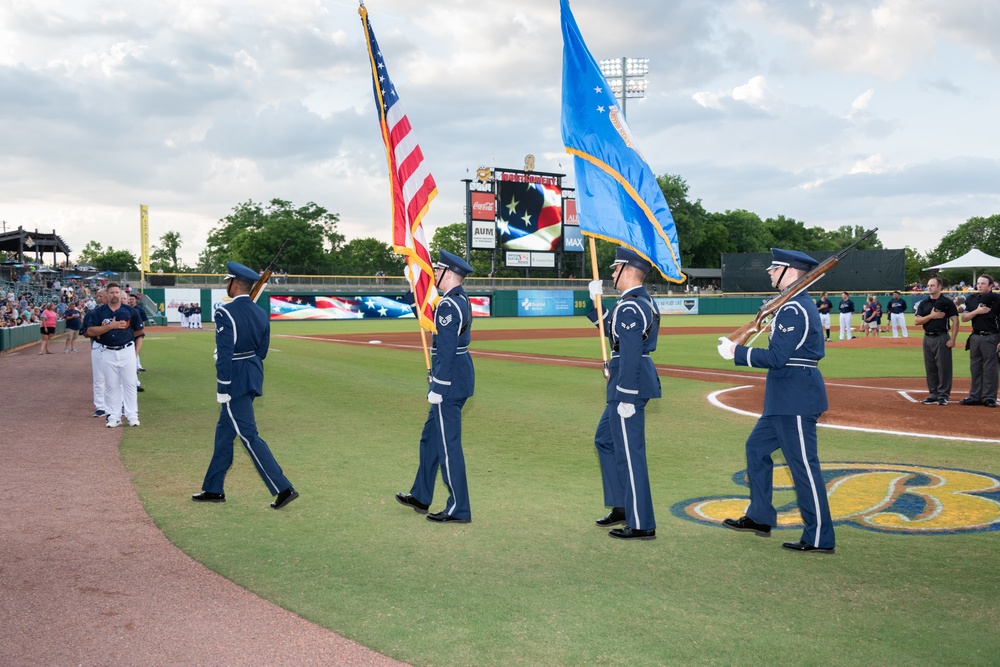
(625, 77)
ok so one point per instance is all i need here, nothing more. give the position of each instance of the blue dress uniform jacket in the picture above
(452, 374)
(454, 378)
(242, 337)
(633, 327)
(794, 398)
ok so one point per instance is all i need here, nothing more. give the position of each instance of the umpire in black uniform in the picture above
(633, 327)
(452, 382)
(938, 316)
(983, 308)
(242, 336)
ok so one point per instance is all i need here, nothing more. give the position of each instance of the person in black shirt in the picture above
(983, 308)
(938, 316)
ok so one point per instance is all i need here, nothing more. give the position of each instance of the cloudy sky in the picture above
(847, 112)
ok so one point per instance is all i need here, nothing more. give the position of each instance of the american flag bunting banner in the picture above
(617, 195)
(410, 180)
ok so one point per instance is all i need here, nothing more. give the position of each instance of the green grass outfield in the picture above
(532, 581)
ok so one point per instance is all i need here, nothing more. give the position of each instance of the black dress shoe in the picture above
(969, 401)
(441, 517)
(990, 403)
(614, 517)
(747, 525)
(139, 388)
(410, 501)
(285, 497)
(806, 548)
(629, 533)
(208, 497)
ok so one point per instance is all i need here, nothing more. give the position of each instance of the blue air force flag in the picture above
(617, 195)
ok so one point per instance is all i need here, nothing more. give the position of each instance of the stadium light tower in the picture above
(625, 77)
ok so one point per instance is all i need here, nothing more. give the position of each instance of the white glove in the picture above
(434, 398)
(222, 398)
(727, 348)
(626, 410)
(215, 354)
(596, 288)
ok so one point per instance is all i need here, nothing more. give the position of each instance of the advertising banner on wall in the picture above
(297, 307)
(572, 236)
(484, 206)
(484, 235)
(676, 306)
(539, 303)
(518, 259)
(175, 297)
(543, 260)
(219, 297)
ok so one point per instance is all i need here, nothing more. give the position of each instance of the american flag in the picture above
(410, 181)
(530, 215)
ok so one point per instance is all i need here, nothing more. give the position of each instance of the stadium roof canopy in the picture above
(35, 244)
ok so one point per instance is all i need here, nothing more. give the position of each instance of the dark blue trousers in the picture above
(795, 435)
(441, 447)
(621, 448)
(236, 420)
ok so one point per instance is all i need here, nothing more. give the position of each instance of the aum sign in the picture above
(886, 497)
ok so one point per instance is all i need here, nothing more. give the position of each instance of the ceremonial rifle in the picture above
(771, 306)
(258, 286)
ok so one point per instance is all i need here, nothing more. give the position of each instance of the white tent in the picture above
(974, 259)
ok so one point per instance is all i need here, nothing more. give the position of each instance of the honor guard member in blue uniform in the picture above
(115, 327)
(242, 336)
(633, 326)
(451, 384)
(794, 398)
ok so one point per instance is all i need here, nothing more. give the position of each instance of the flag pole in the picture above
(599, 306)
(408, 272)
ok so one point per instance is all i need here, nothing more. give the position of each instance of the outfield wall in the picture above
(486, 303)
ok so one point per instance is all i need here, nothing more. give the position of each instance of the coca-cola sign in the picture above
(484, 206)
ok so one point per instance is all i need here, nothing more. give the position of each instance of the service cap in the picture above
(453, 263)
(632, 258)
(793, 259)
(240, 272)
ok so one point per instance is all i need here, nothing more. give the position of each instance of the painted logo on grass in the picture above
(886, 497)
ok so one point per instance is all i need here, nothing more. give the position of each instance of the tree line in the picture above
(252, 233)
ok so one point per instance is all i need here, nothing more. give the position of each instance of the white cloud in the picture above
(193, 106)
(862, 101)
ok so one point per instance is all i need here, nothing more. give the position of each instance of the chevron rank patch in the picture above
(444, 321)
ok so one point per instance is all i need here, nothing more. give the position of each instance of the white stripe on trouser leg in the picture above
(246, 443)
(447, 466)
(812, 482)
(631, 477)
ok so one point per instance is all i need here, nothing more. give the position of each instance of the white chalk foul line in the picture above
(713, 398)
